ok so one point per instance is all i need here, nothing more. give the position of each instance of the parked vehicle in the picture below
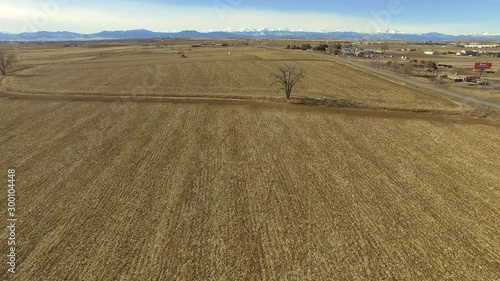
(483, 83)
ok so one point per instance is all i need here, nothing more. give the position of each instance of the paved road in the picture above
(431, 87)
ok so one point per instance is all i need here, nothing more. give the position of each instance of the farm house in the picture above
(469, 53)
(470, 78)
(456, 78)
(348, 52)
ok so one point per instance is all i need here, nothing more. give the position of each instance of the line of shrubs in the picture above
(320, 47)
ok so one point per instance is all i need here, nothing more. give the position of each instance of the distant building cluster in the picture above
(481, 46)
(355, 52)
(218, 44)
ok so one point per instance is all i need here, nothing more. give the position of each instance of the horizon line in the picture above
(387, 31)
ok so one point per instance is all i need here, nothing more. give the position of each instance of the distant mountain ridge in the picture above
(247, 33)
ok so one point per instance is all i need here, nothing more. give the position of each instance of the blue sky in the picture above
(415, 16)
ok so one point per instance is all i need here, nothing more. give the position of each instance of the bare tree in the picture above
(287, 76)
(408, 70)
(384, 47)
(6, 61)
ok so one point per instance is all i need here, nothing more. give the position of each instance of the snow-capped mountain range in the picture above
(264, 33)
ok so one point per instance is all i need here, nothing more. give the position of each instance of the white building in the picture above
(432, 53)
(469, 53)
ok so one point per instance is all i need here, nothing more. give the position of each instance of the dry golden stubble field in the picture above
(221, 190)
(207, 72)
